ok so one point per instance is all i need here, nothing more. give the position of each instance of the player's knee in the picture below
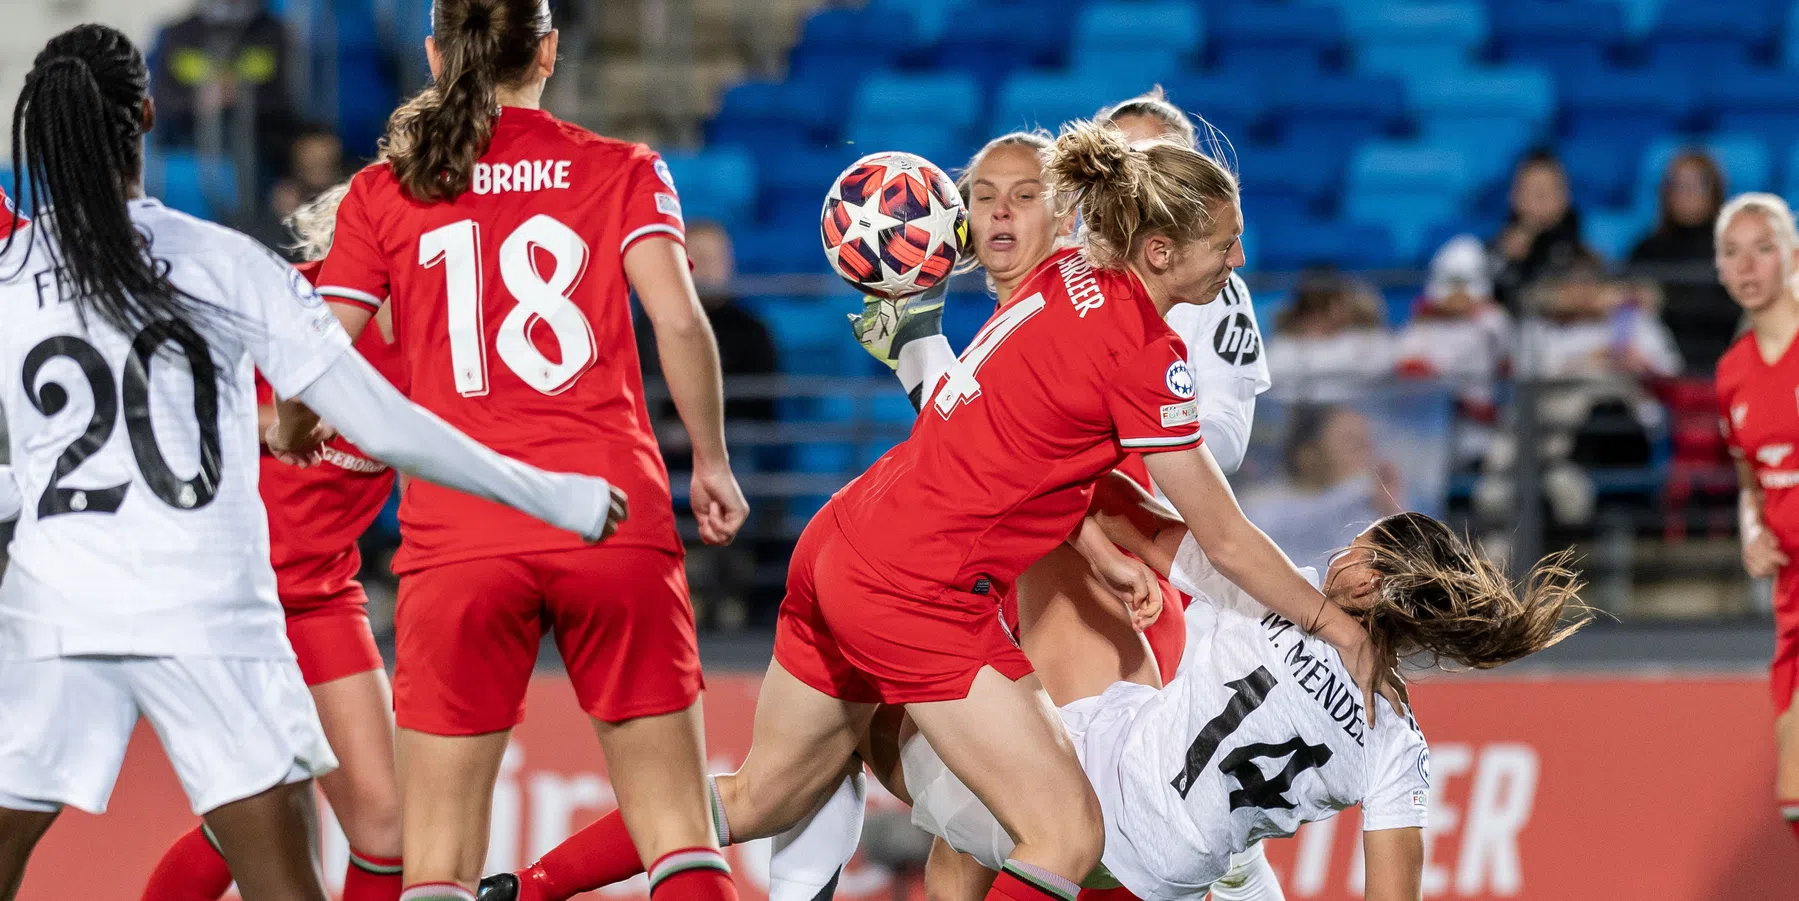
(1076, 836)
(372, 822)
(757, 807)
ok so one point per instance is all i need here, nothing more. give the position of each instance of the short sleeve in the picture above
(1398, 793)
(355, 271)
(1224, 345)
(1151, 399)
(1725, 426)
(298, 336)
(652, 207)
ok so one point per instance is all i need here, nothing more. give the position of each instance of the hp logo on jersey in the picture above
(1236, 340)
(1179, 379)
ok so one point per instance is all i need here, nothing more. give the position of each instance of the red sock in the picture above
(191, 870)
(371, 878)
(691, 874)
(1789, 811)
(597, 856)
(1022, 882)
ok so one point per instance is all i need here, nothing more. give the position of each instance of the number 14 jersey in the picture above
(513, 311)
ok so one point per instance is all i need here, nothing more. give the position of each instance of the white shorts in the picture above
(233, 728)
(943, 806)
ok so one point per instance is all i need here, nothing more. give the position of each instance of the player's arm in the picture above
(907, 336)
(1133, 519)
(1762, 556)
(1395, 864)
(657, 269)
(292, 431)
(1129, 579)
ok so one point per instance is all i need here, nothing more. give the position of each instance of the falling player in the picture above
(1758, 381)
(507, 243)
(135, 590)
(891, 593)
(316, 514)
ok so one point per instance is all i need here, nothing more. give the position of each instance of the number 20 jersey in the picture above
(136, 456)
(1261, 731)
(513, 311)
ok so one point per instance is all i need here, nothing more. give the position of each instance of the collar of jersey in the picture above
(517, 112)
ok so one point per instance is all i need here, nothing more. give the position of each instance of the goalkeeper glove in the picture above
(884, 326)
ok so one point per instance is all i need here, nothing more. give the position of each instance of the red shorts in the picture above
(467, 635)
(1167, 636)
(1783, 671)
(331, 636)
(853, 635)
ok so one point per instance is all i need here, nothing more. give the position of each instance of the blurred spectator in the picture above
(718, 577)
(1678, 254)
(1334, 485)
(1541, 238)
(315, 163)
(1457, 334)
(1330, 341)
(227, 59)
(1596, 342)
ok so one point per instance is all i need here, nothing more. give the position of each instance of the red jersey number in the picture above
(457, 247)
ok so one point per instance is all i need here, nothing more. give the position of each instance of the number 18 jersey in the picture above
(136, 455)
(513, 311)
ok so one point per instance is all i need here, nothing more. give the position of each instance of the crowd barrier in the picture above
(1552, 788)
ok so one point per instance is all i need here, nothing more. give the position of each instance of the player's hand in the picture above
(1762, 556)
(718, 504)
(616, 514)
(885, 326)
(302, 450)
(1134, 584)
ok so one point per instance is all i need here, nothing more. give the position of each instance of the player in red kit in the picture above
(316, 515)
(1758, 397)
(508, 243)
(892, 591)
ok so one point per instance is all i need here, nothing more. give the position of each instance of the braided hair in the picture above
(78, 127)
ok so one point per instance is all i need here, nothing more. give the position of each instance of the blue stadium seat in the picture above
(1789, 52)
(1414, 39)
(1491, 115)
(810, 334)
(1789, 186)
(1601, 173)
(1567, 38)
(1407, 188)
(1269, 38)
(1274, 201)
(949, 100)
(1147, 40)
(1639, 15)
(1307, 242)
(779, 249)
(793, 187)
(1231, 103)
(1310, 170)
(1745, 159)
(1628, 108)
(1030, 99)
(1702, 33)
(1004, 36)
(945, 147)
(206, 188)
(820, 101)
(837, 43)
(928, 18)
(718, 183)
(1336, 111)
(1754, 102)
(1614, 232)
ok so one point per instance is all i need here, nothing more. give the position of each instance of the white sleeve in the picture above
(295, 337)
(1398, 794)
(922, 364)
(1193, 574)
(368, 410)
(1230, 367)
(12, 501)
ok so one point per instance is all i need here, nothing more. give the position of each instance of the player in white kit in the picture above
(140, 582)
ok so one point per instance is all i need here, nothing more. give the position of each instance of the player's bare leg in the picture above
(1007, 744)
(19, 833)
(1067, 616)
(357, 713)
(1786, 763)
(658, 770)
(800, 748)
(950, 875)
(270, 841)
(445, 834)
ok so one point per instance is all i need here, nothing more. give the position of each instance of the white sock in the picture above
(1250, 879)
(808, 858)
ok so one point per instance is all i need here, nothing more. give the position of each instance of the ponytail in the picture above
(1125, 194)
(434, 139)
(78, 128)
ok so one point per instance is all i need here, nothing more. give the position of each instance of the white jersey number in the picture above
(457, 247)
(959, 384)
(52, 398)
(1255, 789)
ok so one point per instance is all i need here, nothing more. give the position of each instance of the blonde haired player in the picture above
(1758, 253)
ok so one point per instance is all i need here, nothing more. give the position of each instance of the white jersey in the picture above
(1261, 731)
(136, 456)
(1224, 350)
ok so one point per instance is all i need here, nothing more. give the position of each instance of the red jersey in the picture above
(1076, 371)
(512, 309)
(10, 217)
(1760, 407)
(317, 514)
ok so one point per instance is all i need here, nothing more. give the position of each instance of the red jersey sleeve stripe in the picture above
(1163, 442)
(648, 230)
(360, 298)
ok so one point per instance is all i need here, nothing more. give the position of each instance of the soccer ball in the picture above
(894, 225)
